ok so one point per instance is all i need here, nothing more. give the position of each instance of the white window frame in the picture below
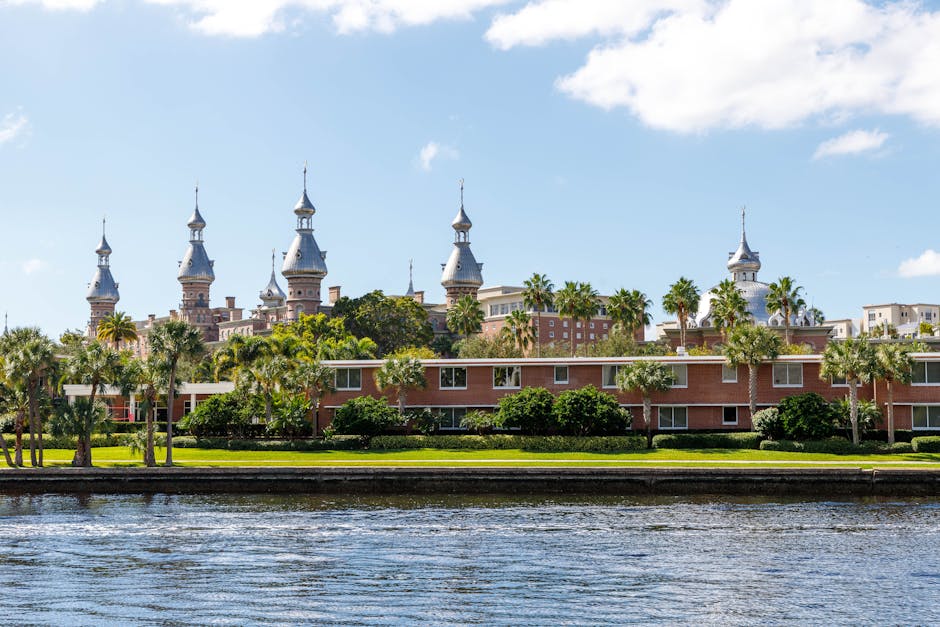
(737, 414)
(676, 368)
(347, 387)
(844, 384)
(453, 418)
(453, 369)
(555, 375)
(928, 407)
(725, 369)
(787, 365)
(672, 409)
(926, 382)
(512, 372)
(613, 370)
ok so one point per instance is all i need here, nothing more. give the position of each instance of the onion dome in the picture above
(462, 268)
(103, 288)
(304, 257)
(272, 295)
(743, 259)
(461, 221)
(196, 265)
(103, 248)
(196, 221)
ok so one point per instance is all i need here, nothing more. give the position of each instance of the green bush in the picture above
(539, 444)
(836, 446)
(423, 420)
(69, 442)
(901, 447)
(336, 443)
(366, 416)
(768, 423)
(220, 415)
(806, 416)
(736, 440)
(926, 444)
(529, 410)
(869, 415)
(588, 411)
(787, 446)
(290, 417)
(481, 422)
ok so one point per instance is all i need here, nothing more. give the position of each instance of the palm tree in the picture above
(752, 345)
(8, 405)
(266, 376)
(786, 298)
(854, 360)
(116, 328)
(29, 356)
(466, 316)
(146, 378)
(518, 328)
(538, 295)
(401, 374)
(629, 310)
(589, 305)
(728, 306)
(816, 314)
(237, 352)
(682, 301)
(646, 377)
(97, 365)
(171, 342)
(895, 365)
(316, 380)
(567, 301)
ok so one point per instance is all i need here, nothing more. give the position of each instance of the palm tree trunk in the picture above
(34, 459)
(890, 412)
(18, 445)
(538, 338)
(853, 409)
(752, 390)
(170, 398)
(786, 326)
(648, 420)
(150, 459)
(682, 322)
(6, 451)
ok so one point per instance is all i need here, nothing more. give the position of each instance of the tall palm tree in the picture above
(786, 298)
(894, 365)
(751, 345)
(29, 357)
(265, 376)
(728, 306)
(97, 365)
(237, 352)
(13, 400)
(854, 360)
(170, 343)
(646, 377)
(117, 328)
(629, 310)
(568, 302)
(401, 374)
(538, 295)
(146, 378)
(316, 380)
(518, 329)
(466, 316)
(682, 301)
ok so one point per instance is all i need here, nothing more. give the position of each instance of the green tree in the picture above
(481, 347)
(401, 374)
(466, 316)
(146, 379)
(816, 314)
(894, 365)
(13, 402)
(537, 296)
(588, 411)
(529, 409)
(265, 377)
(316, 380)
(97, 365)
(785, 298)
(750, 345)
(116, 328)
(517, 327)
(172, 342)
(29, 357)
(392, 322)
(646, 377)
(629, 310)
(854, 360)
(237, 352)
(728, 306)
(319, 337)
(682, 301)
(577, 302)
(365, 416)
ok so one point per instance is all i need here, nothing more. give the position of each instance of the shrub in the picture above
(220, 415)
(926, 444)
(901, 447)
(481, 422)
(588, 411)
(530, 410)
(539, 444)
(788, 446)
(289, 419)
(366, 416)
(869, 415)
(337, 443)
(736, 440)
(806, 416)
(768, 423)
(422, 420)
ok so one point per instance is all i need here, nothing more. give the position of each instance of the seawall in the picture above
(477, 480)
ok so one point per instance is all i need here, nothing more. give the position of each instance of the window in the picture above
(551, 323)
(348, 378)
(673, 418)
(578, 336)
(551, 334)
(925, 417)
(561, 374)
(871, 317)
(605, 325)
(451, 416)
(682, 375)
(788, 375)
(591, 336)
(592, 325)
(564, 323)
(926, 373)
(507, 377)
(453, 378)
(188, 407)
(565, 335)
(609, 376)
(577, 325)
(729, 374)
(839, 382)
(494, 310)
(729, 415)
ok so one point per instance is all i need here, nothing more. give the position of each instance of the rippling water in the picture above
(237, 560)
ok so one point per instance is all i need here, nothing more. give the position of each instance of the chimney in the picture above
(230, 302)
(334, 294)
(419, 296)
(173, 315)
(151, 318)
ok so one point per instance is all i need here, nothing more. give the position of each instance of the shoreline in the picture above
(476, 480)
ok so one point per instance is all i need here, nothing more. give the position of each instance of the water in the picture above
(239, 560)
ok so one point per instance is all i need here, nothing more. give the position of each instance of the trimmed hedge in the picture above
(837, 446)
(336, 443)
(540, 444)
(738, 440)
(926, 444)
(69, 442)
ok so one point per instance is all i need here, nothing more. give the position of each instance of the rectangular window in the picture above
(551, 323)
(564, 323)
(453, 378)
(925, 417)
(578, 336)
(839, 382)
(561, 374)
(188, 407)
(578, 325)
(592, 325)
(565, 335)
(729, 415)
(605, 325)
(504, 309)
(682, 375)
(551, 335)
(507, 377)
(871, 317)
(926, 373)
(451, 417)
(349, 378)
(494, 310)
(788, 375)
(673, 418)
(729, 374)
(609, 376)
(591, 336)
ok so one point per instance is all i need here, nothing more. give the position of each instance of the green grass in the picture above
(732, 458)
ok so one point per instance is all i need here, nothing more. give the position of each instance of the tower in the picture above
(196, 276)
(304, 264)
(272, 296)
(743, 263)
(411, 279)
(102, 291)
(462, 274)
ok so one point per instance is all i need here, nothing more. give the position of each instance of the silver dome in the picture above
(103, 247)
(304, 206)
(461, 221)
(196, 265)
(462, 268)
(196, 221)
(272, 292)
(102, 288)
(304, 257)
(754, 292)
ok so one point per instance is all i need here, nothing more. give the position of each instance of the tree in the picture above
(392, 322)
(629, 310)
(265, 376)
(816, 314)
(146, 378)
(682, 301)
(13, 401)
(785, 298)
(466, 316)
(894, 365)
(80, 418)
(579, 303)
(170, 343)
(29, 357)
(116, 328)
(646, 377)
(728, 306)
(316, 380)
(401, 374)
(588, 411)
(94, 364)
(750, 345)
(237, 352)
(854, 360)
(319, 337)
(537, 296)
(518, 329)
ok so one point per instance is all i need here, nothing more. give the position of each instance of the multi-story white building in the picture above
(905, 319)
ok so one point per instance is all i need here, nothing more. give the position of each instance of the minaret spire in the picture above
(305, 176)
(743, 208)
(411, 284)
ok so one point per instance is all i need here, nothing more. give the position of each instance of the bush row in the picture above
(541, 444)
(926, 444)
(336, 443)
(65, 441)
(837, 446)
(738, 440)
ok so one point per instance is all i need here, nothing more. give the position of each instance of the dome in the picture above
(304, 206)
(304, 257)
(462, 268)
(744, 259)
(196, 265)
(272, 291)
(462, 221)
(103, 247)
(102, 288)
(754, 292)
(196, 221)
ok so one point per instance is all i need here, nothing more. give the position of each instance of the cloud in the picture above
(12, 125)
(433, 150)
(31, 266)
(851, 143)
(60, 5)
(928, 264)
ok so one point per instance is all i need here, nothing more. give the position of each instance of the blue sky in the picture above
(599, 141)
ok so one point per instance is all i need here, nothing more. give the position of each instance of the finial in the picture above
(743, 208)
(305, 176)
(197, 193)
(104, 221)
(461, 192)
(272, 260)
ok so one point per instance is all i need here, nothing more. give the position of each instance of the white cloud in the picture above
(851, 143)
(433, 150)
(928, 264)
(31, 266)
(60, 5)
(12, 125)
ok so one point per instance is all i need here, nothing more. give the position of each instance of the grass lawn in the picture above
(121, 456)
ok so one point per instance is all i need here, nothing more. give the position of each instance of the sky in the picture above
(601, 141)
